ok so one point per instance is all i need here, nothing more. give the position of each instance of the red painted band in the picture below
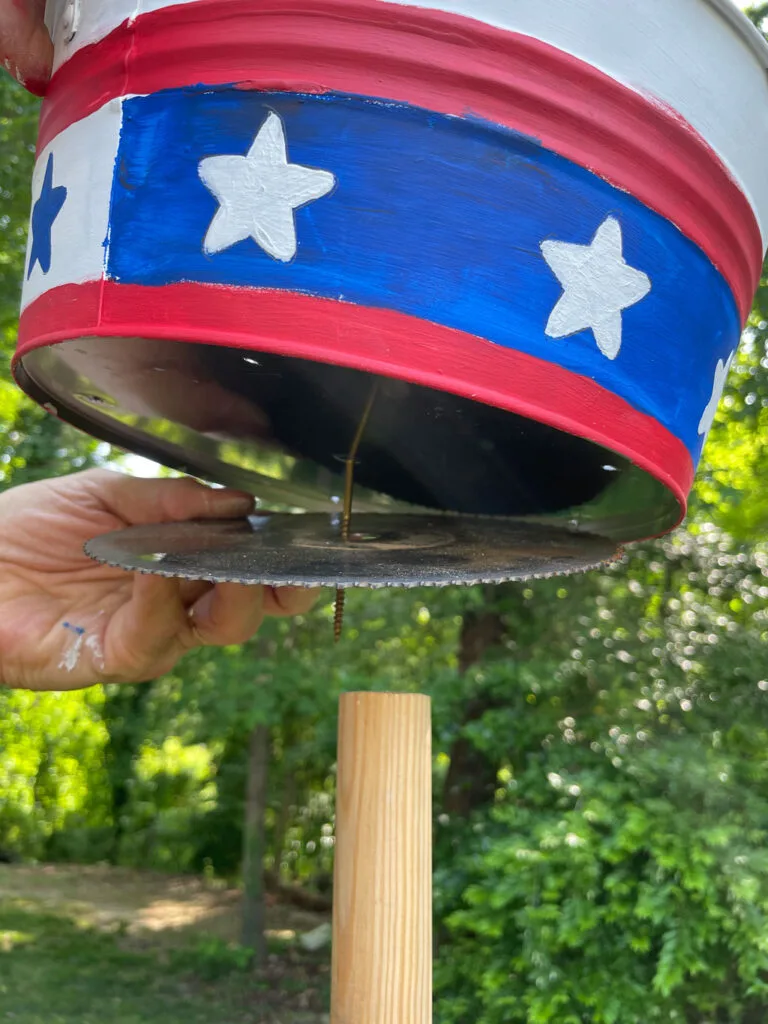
(377, 340)
(443, 62)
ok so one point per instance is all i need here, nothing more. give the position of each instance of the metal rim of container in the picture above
(741, 23)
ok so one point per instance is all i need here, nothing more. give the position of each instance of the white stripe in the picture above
(696, 56)
(83, 162)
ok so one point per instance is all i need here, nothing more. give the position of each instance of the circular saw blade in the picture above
(382, 551)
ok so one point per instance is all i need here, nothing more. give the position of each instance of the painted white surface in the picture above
(598, 285)
(734, 13)
(258, 194)
(718, 386)
(84, 160)
(684, 52)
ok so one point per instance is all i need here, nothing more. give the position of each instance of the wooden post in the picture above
(382, 919)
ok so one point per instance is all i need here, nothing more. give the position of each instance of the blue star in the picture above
(44, 213)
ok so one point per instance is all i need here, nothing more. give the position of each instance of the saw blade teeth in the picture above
(385, 551)
(348, 584)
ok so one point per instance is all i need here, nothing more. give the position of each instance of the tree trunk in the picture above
(253, 922)
(287, 803)
(471, 780)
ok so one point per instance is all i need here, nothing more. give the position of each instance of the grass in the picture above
(56, 970)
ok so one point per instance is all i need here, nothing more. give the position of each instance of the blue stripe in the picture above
(438, 217)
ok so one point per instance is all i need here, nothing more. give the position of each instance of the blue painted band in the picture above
(435, 216)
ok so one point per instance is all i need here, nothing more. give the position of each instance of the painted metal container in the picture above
(539, 225)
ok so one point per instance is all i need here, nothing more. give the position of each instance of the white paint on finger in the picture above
(73, 650)
(93, 643)
(79, 640)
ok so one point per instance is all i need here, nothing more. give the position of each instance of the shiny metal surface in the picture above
(280, 428)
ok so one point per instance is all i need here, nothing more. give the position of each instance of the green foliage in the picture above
(18, 130)
(619, 873)
(611, 894)
(50, 764)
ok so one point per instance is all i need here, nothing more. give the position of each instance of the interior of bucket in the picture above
(281, 428)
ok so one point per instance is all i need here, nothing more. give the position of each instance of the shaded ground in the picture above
(84, 945)
(142, 902)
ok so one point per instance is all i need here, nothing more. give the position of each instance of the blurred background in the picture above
(601, 771)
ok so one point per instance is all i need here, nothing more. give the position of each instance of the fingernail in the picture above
(233, 503)
(202, 609)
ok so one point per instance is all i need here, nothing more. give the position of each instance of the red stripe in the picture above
(377, 340)
(443, 62)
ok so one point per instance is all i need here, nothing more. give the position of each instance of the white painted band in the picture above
(79, 231)
(696, 56)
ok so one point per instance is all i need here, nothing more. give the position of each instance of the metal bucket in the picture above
(539, 226)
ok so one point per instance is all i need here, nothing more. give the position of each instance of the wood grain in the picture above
(382, 924)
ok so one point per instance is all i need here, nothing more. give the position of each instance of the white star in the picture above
(597, 286)
(718, 386)
(258, 194)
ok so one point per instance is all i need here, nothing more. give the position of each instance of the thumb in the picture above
(26, 50)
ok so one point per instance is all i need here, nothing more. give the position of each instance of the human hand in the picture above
(26, 51)
(67, 622)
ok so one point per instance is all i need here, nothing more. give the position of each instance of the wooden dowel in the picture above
(382, 918)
